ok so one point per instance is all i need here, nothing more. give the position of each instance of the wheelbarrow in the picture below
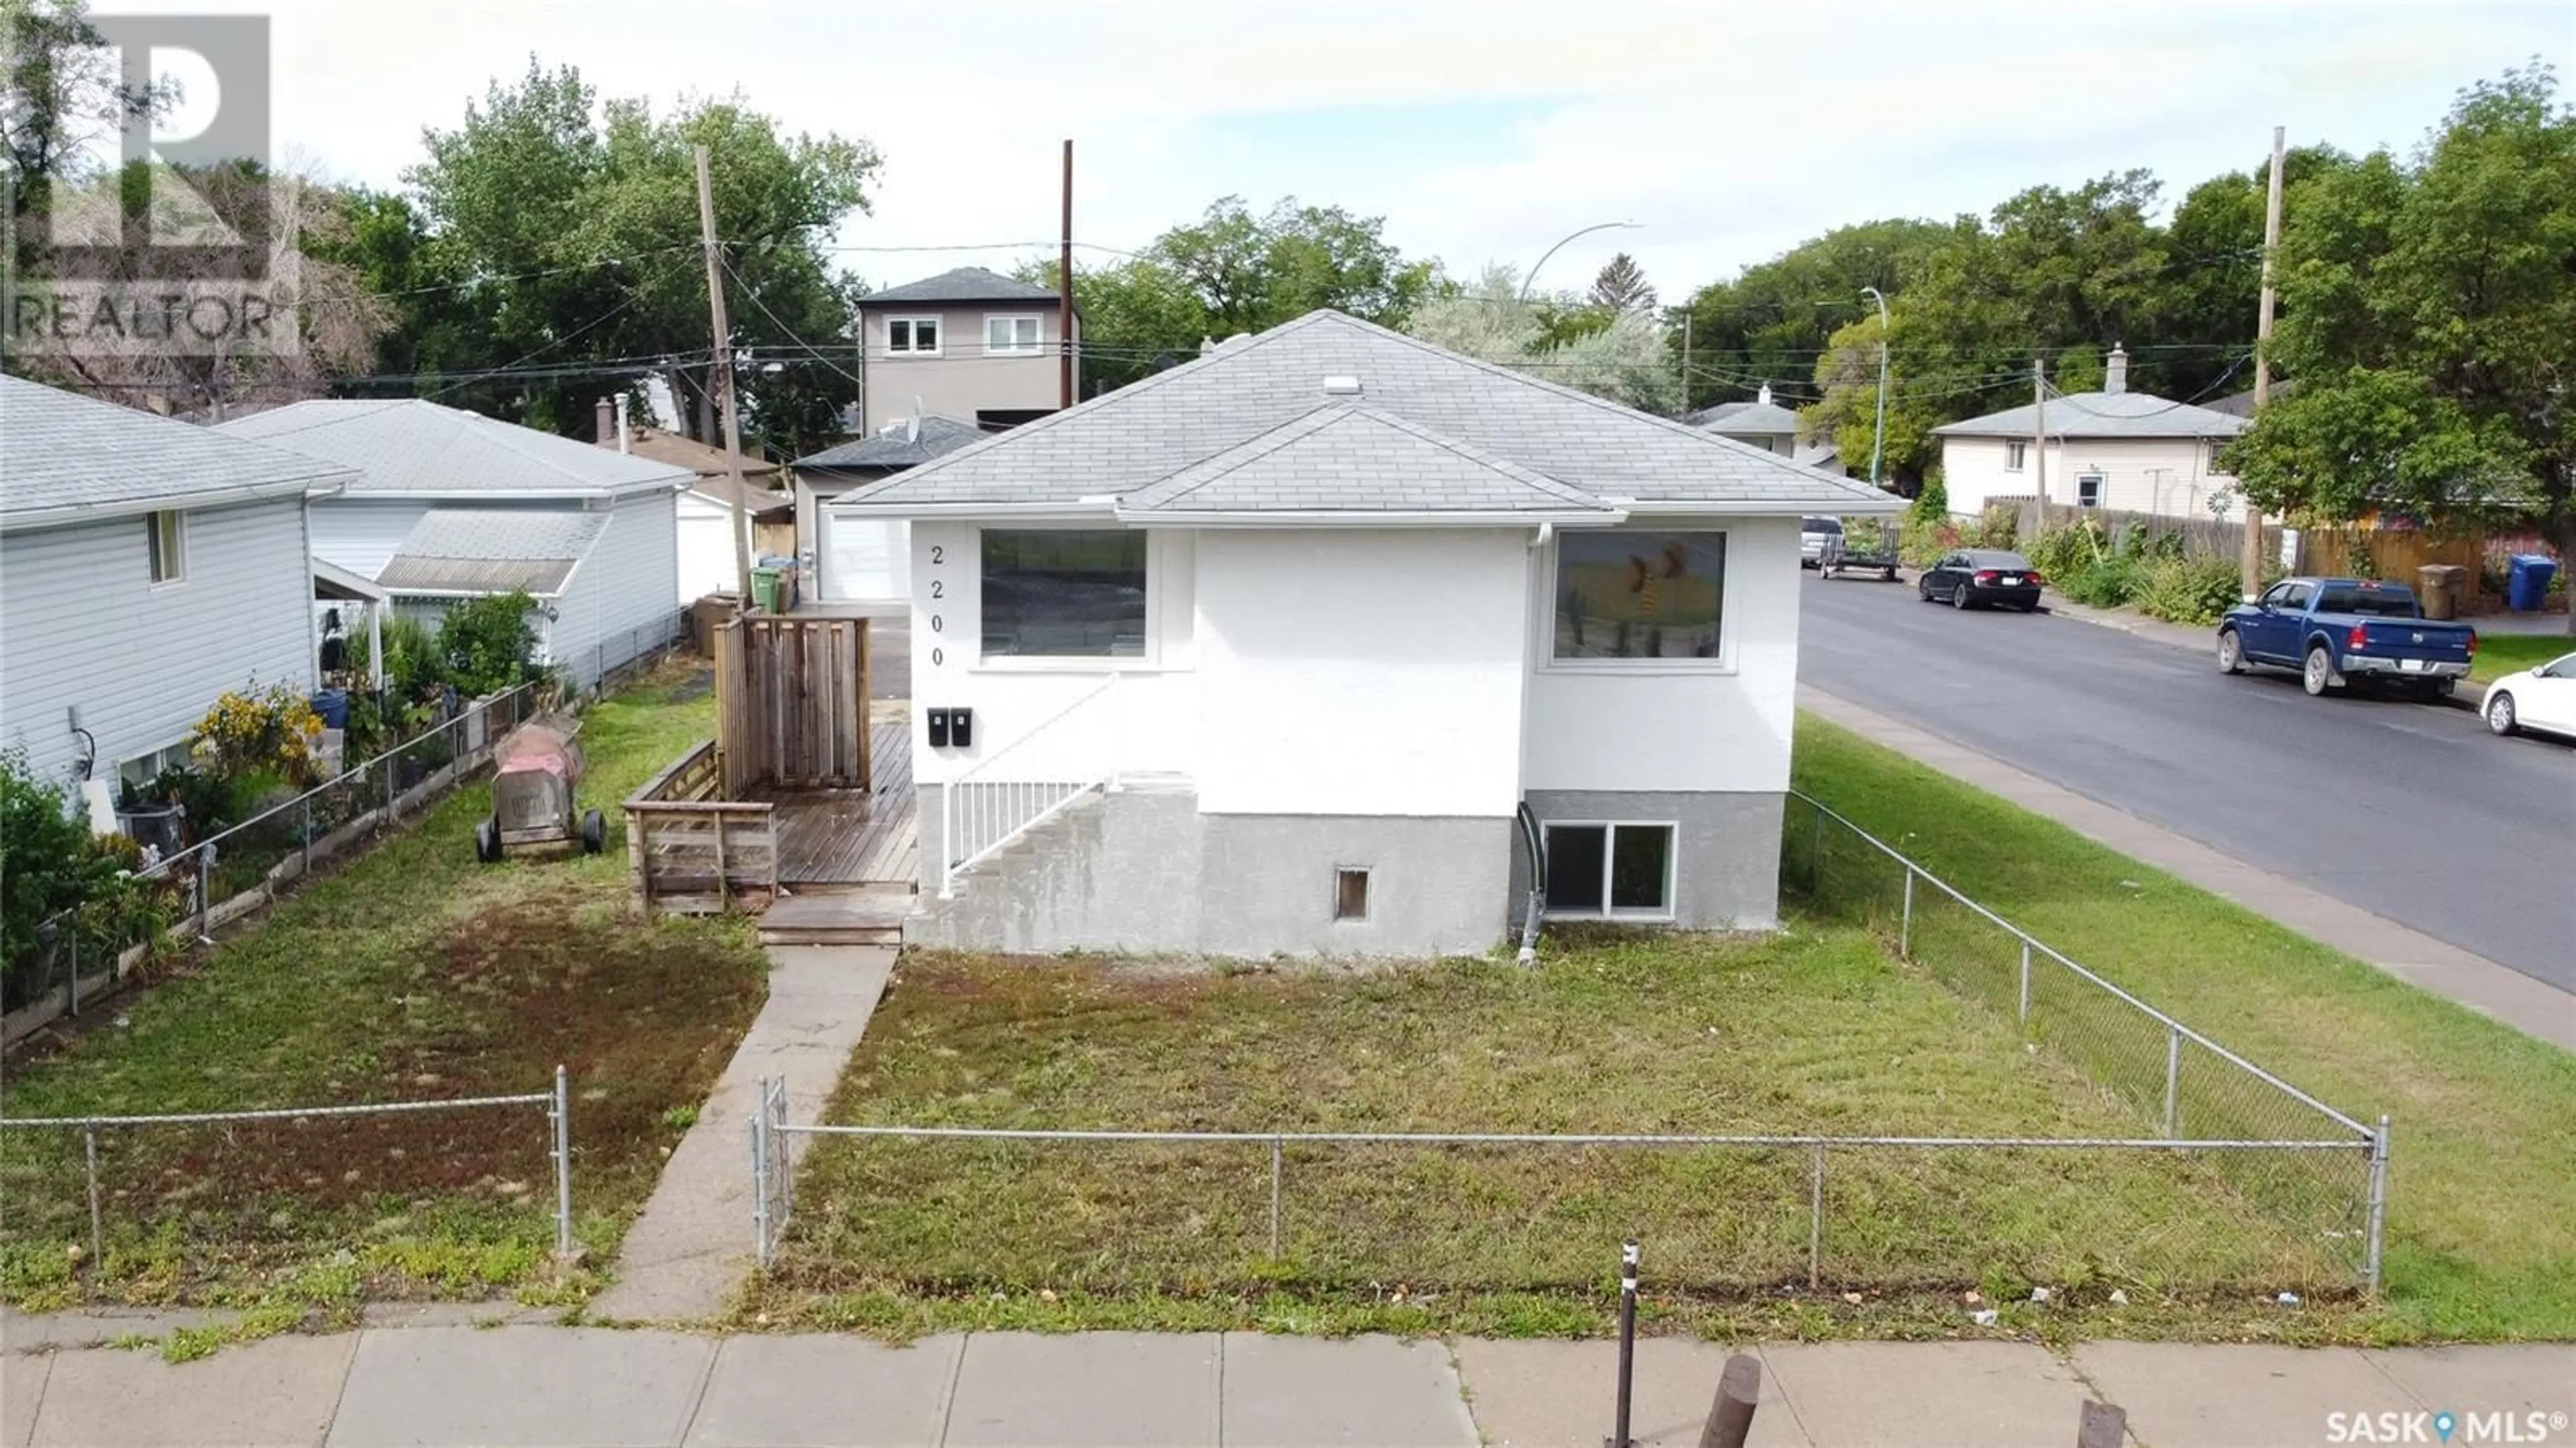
(535, 767)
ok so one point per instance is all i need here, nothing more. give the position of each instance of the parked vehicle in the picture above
(2337, 631)
(1967, 577)
(1812, 533)
(1870, 545)
(2541, 699)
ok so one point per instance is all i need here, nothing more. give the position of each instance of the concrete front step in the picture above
(869, 915)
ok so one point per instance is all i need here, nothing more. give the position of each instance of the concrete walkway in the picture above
(578, 1386)
(2446, 970)
(692, 1246)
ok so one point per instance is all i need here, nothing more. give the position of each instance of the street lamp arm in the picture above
(1529, 280)
(1878, 434)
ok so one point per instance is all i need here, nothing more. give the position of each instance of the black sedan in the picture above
(1966, 577)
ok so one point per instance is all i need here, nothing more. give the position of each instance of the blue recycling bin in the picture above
(333, 706)
(2526, 581)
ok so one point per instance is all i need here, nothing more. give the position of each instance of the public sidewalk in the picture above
(538, 1385)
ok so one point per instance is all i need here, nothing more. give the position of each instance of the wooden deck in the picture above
(850, 836)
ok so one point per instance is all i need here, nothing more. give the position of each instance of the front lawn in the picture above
(1813, 1031)
(2482, 1215)
(412, 973)
(2503, 653)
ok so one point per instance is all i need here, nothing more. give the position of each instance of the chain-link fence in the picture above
(2178, 1081)
(129, 1189)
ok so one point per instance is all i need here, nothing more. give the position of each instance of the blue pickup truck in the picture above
(2338, 631)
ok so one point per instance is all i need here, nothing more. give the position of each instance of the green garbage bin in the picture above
(764, 589)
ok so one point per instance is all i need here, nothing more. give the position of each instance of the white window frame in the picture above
(1609, 863)
(154, 761)
(912, 334)
(2016, 455)
(1036, 346)
(1543, 628)
(167, 559)
(2218, 445)
(2095, 478)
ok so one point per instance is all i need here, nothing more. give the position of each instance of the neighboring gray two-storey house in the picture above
(968, 344)
(449, 505)
(147, 566)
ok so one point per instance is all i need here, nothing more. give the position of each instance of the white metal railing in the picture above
(979, 813)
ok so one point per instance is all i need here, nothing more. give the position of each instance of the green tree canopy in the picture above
(1620, 355)
(2429, 315)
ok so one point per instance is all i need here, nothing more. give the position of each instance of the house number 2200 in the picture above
(938, 589)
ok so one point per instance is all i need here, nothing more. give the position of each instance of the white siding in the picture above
(362, 534)
(862, 560)
(621, 597)
(82, 623)
(1361, 672)
(706, 558)
(2166, 475)
(1683, 726)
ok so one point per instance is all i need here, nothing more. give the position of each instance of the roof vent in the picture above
(1341, 386)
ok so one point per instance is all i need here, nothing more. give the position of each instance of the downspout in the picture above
(1538, 884)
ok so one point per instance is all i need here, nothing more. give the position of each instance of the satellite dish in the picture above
(912, 425)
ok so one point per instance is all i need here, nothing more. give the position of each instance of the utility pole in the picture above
(2253, 554)
(1686, 349)
(1878, 434)
(1064, 292)
(722, 371)
(2039, 435)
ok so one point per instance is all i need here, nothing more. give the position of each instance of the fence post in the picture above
(2173, 1082)
(75, 981)
(760, 1179)
(562, 1114)
(1274, 1199)
(304, 830)
(2025, 983)
(1815, 1216)
(1627, 1342)
(385, 820)
(2378, 1204)
(97, 1234)
(205, 894)
(1905, 928)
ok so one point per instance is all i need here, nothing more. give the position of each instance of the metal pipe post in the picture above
(562, 1113)
(304, 830)
(2173, 1083)
(760, 1180)
(389, 790)
(1815, 1216)
(205, 893)
(1274, 1199)
(97, 1232)
(2025, 982)
(1905, 928)
(1627, 1342)
(2378, 1204)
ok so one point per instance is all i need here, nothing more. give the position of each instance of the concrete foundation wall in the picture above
(1144, 871)
(1726, 867)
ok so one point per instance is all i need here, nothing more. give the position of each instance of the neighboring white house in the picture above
(450, 504)
(1761, 422)
(1327, 607)
(147, 566)
(2117, 449)
(865, 560)
(708, 562)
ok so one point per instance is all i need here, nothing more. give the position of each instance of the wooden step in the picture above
(867, 916)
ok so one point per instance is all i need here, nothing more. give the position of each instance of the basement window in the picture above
(1350, 894)
(1612, 871)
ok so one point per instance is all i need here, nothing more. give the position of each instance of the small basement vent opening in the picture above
(1350, 894)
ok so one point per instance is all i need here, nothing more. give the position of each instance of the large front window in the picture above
(1639, 595)
(1064, 593)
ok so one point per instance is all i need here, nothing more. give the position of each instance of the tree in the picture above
(2428, 313)
(1622, 286)
(1231, 271)
(1775, 320)
(578, 240)
(60, 92)
(1622, 356)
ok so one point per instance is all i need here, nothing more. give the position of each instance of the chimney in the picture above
(624, 432)
(1207, 344)
(606, 433)
(2115, 370)
(1764, 400)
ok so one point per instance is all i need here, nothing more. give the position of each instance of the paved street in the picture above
(537, 1385)
(2408, 810)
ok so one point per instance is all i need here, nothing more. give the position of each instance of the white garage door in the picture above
(865, 560)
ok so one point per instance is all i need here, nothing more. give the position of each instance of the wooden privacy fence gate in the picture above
(694, 853)
(792, 703)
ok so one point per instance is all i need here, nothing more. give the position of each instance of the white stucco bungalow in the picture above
(448, 504)
(2117, 449)
(147, 566)
(1268, 652)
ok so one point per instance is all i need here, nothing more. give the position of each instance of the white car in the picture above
(2541, 699)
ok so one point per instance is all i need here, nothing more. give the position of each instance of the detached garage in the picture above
(865, 560)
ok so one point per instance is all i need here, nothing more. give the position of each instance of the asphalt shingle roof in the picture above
(891, 449)
(1344, 459)
(1745, 419)
(964, 284)
(409, 446)
(2102, 414)
(491, 550)
(1139, 436)
(64, 457)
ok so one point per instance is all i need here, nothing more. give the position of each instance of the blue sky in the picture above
(1481, 131)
